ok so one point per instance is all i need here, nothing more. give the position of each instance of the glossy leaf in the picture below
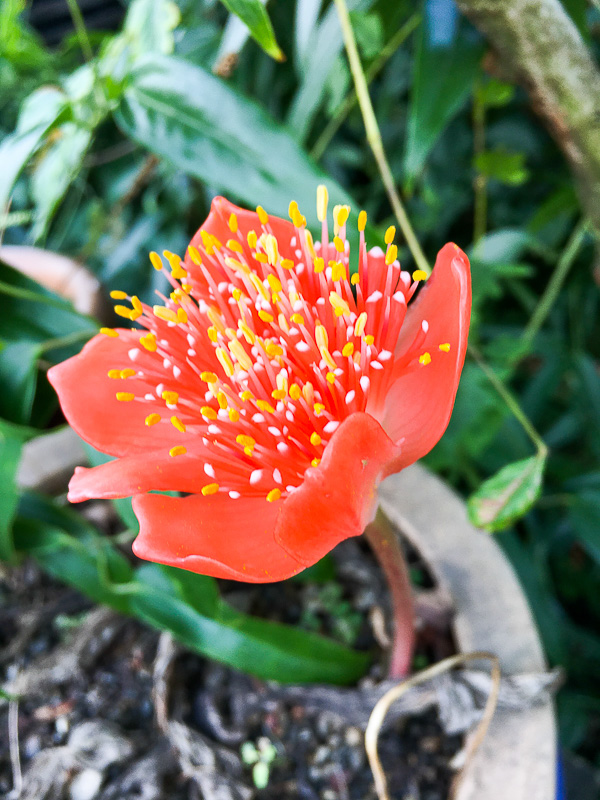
(507, 495)
(203, 126)
(445, 69)
(254, 15)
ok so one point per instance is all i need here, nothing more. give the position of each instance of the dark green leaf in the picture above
(12, 438)
(508, 168)
(443, 78)
(508, 495)
(254, 15)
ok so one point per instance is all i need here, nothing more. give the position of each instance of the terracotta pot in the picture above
(517, 760)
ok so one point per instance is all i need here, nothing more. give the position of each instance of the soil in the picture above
(112, 709)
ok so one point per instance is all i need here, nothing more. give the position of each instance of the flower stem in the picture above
(374, 137)
(385, 545)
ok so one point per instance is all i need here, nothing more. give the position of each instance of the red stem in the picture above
(385, 545)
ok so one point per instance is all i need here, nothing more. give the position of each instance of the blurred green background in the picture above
(112, 144)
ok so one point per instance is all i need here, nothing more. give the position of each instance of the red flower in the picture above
(271, 387)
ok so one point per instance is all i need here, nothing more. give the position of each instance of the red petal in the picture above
(338, 498)
(213, 535)
(148, 472)
(419, 404)
(88, 398)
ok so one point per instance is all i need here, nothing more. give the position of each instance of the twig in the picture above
(374, 137)
(383, 705)
(13, 743)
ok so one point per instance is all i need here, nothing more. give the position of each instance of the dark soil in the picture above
(83, 664)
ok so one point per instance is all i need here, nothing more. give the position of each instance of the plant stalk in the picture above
(374, 137)
(385, 545)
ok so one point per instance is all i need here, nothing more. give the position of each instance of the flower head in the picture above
(271, 386)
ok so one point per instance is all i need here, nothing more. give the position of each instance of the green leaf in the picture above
(12, 438)
(507, 495)
(508, 168)
(368, 30)
(204, 127)
(149, 25)
(55, 171)
(494, 93)
(254, 15)
(442, 81)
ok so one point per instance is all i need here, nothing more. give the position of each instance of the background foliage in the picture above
(113, 144)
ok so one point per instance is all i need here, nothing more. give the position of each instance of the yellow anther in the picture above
(225, 361)
(308, 392)
(318, 408)
(177, 423)
(315, 462)
(262, 215)
(234, 246)
(274, 283)
(445, 348)
(315, 439)
(258, 285)
(274, 495)
(236, 294)
(182, 316)
(125, 397)
(246, 395)
(156, 261)
(322, 201)
(195, 255)
(283, 323)
(297, 319)
(274, 350)
(171, 398)
(338, 244)
(272, 249)
(341, 217)
(425, 359)
(419, 275)
(319, 264)
(293, 209)
(233, 223)
(282, 381)
(149, 342)
(252, 239)
(109, 332)
(339, 304)
(338, 271)
(127, 373)
(295, 391)
(222, 399)
(249, 334)
(265, 316)
(210, 242)
(330, 377)
(389, 234)
(237, 350)
(360, 324)
(213, 334)
(391, 254)
(355, 279)
(263, 405)
(118, 295)
(348, 349)
(177, 271)
(187, 287)
(179, 450)
(210, 488)
(208, 412)
(123, 311)
(279, 394)
(369, 339)
(115, 374)
(262, 258)
(245, 440)
(234, 415)
(362, 220)
(209, 377)
(152, 419)
(216, 318)
(321, 337)
(287, 263)
(327, 358)
(166, 314)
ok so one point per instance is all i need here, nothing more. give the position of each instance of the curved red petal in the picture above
(213, 535)
(338, 498)
(419, 404)
(88, 398)
(147, 472)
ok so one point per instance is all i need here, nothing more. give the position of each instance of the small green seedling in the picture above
(259, 757)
